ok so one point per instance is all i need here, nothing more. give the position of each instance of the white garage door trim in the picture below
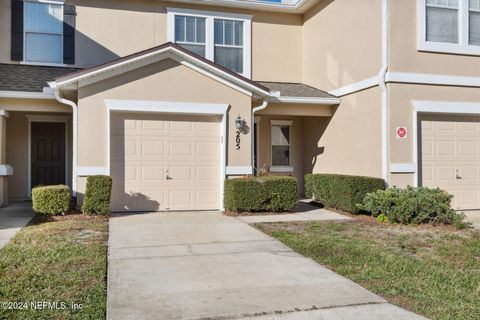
(167, 107)
(440, 107)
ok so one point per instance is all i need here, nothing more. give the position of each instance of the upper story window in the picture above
(450, 26)
(220, 37)
(43, 32)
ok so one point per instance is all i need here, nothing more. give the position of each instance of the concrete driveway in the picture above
(207, 266)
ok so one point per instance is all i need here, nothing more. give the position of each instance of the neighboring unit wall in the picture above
(350, 141)
(404, 56)
(341, 43)
(106, 30)
(161, 81)
(401, 97)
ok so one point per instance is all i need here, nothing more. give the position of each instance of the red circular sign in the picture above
(401, 132)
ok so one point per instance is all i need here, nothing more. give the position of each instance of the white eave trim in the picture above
(304, 100)
(292, 6)
(26, 95)
(188, 59)
(450, 107)
(433, 79)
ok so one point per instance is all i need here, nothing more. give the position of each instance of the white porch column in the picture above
(5, 169)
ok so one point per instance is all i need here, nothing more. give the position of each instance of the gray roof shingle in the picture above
(288, 89)
(20, 77)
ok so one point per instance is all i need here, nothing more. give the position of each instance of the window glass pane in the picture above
(230, 58)
(474, 5)
(43, 47)
(218, 31)
(228, 26)
(179, 28)
(442, 24)
(195, 48)
(200, 30)
(280, 135)
(474, 28)
(238, 33)
(280, 155)
(44, 18)
(190, 31)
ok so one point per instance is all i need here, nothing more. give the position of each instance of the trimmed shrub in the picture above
(97, 195)
(341, 191)
(51, 199)
(269, 193)
(413, 206)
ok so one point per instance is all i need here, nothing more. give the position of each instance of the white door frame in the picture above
(45, 118)
(437, 107)
(167, 107)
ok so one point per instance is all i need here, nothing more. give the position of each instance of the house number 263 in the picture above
(237, 140)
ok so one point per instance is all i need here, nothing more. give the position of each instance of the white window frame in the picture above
(463, 46)
(25, 61)
(210, 17)
(281, 168)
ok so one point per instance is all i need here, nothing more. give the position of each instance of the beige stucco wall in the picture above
(114, 28)
(350, 141)
(401, 114)
(341, 43)
(162, 81)
(17, 153)
(404, 56)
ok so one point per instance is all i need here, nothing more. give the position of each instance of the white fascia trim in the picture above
(305, 100)
(166, 107)
(26, 95)
(446, 107)
(433, 79)
(203, 13)
(238, 170)
(283, 169)
(92, 171)
(6, 170)
(355, 87)
(403, 168)
(207, 67)
(292, 6)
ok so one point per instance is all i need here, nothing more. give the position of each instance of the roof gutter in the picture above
(26, 95)
(304, 100)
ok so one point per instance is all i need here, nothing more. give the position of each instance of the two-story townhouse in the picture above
(172, 97)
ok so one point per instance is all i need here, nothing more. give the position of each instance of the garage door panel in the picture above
(184, 147)
(450, 149)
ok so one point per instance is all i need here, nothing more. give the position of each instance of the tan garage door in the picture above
(450, 157)
(165, 162)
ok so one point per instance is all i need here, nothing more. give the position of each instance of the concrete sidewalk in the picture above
(208, 266)
(12, 219)
(303, 212)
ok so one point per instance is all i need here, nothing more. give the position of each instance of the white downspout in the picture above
(254, 110)
(383, 88)
(74, 107)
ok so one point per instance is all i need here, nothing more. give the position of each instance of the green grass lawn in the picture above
(63, 261)
(432, 271)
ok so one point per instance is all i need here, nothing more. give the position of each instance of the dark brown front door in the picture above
(48, 153)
